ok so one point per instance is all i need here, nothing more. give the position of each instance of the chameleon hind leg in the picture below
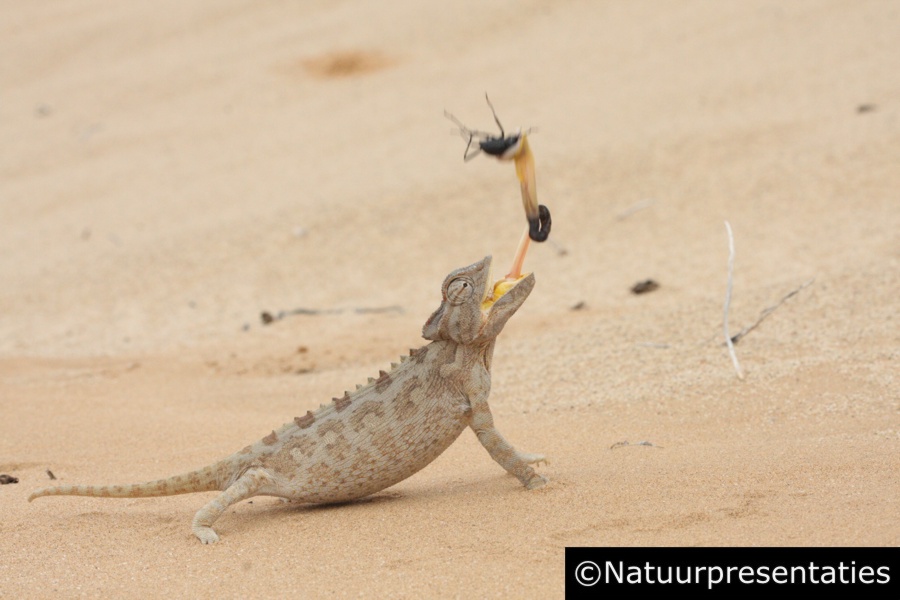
(246, 486)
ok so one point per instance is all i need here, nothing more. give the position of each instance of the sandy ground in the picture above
(170, 170)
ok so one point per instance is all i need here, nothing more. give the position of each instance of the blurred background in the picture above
(170, 170)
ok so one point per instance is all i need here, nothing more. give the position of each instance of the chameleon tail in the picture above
(202, 480)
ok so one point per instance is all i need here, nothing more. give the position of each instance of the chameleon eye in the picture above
(459, 290)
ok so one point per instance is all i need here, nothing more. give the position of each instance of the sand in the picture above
(172, 170)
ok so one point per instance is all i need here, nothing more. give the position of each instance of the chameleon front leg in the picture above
(246, 486)
(515, 462)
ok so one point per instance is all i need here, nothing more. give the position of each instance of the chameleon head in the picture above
(475, 309)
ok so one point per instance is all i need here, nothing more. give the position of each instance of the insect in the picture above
(510, 147)
(504, 147)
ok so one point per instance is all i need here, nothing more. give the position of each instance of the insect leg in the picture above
(470, 135)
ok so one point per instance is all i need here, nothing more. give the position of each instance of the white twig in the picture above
(734, 359)
(635, 208)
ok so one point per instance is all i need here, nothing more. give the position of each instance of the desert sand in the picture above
(171, 170)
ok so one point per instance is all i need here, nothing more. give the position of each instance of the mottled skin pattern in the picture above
(382, 433)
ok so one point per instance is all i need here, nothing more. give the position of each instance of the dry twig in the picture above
(266, 317)
(624, 443)
(769, 310)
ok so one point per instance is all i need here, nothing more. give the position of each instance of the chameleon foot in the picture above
(206, 535)
(538, 481)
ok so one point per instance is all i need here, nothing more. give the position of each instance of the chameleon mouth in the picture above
(502, 286)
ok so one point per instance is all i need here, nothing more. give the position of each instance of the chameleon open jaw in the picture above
(505, 284)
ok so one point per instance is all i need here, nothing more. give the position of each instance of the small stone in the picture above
(644, 287)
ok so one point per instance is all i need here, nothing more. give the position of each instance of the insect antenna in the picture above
(496, 119)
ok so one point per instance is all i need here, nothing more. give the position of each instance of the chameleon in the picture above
(382, 433)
